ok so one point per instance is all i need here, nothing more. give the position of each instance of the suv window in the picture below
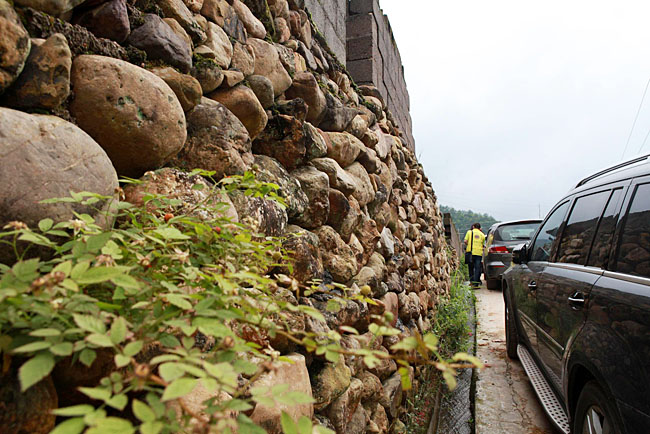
(603, 241)
(543, 244)
(634, 250)
(580, 228)
(514, 232)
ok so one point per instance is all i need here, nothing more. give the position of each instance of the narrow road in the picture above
(505, 400)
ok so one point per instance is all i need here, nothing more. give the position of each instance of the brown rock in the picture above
(296, 375)
(14, 45)
(306, 259)
(339, 178)
(391, 304)
(342, 409)
(28, 411)
(268, 169)
(284, 140)
(216, 140)
(371, 389)
(392, 397)
(133, 114)
(243, 58)
(363, 190)
(177, 10)
(194, 402)
(44, 149)
(300, 26)
(314, 141)
(216, 47)
(306, 87)
(315, 184)
(343, 147)
(263, 89)
(265, 215)
(338, 257)
(186, 88)
(194, 5)
(384, 369)
(180, 32)
(45, 80)
(232, 78)
(253, 26)
(175, 184)
(336, 117)
(221, 13)
(282, 30)
(243, 103)
(52, 7)
(267, 63)
(209, 75)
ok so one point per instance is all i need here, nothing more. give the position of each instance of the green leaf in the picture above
(133, 348)
(118, 330)
(179, 388)
(33, 238)
(238, 405)
(112, 425)
(45, 333)
(90, 323)
(62, 349)
(98, 275)
(170, 371)
(288, 425)
(406, 378)
(407, 344)
(125, 281)
(171, 234)
(178, 301)
(96, 242)
(121, 361)
(99, 393)
(33, 347)
(75, 410)
(118, 402)
(64, 267)
(70, 426)
(45, 224)
(87, 356)
(151, 427)
(304, 425)
(26, 271)
(79, 268)
(142, 411)
(464, 357)
(449, 379)
(35, 369)
(100, 340)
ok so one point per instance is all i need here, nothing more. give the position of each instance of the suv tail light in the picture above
(498, 249)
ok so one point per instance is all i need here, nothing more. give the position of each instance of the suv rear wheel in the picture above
(594, 412)
(493, 284)
(511, 334)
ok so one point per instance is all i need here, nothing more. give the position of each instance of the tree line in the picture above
(463, 219)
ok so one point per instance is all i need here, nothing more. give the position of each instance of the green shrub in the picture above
(176, 297)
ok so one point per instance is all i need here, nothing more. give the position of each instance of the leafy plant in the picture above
(175, 297)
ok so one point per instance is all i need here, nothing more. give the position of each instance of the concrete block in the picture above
(361, 48)
(361, 25)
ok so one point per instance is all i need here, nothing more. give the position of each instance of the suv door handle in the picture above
(532, 286)
(577, 300)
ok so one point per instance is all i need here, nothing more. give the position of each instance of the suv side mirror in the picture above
(520, 254)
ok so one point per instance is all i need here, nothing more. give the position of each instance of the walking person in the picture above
(468, 252)
(475, 239)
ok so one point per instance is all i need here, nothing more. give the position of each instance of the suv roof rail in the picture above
(612, 169)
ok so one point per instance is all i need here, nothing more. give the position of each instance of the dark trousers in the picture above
(470, 264)
(475, 269)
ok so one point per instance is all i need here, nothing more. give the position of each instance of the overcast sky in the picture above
(514, 101)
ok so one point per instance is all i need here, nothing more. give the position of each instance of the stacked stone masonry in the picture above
(93, 90)
(360, 35)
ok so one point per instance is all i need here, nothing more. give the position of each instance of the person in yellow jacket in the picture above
(474, 241)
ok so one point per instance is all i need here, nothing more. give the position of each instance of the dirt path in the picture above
(505, 400)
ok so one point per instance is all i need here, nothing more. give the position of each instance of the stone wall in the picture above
(373, 58)
(124, 88)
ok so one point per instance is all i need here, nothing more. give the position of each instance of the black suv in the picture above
(578, 304)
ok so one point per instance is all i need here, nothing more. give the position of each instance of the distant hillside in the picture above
(464, 219)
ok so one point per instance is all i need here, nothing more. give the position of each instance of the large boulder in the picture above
(339, 178)
(330, 382)
(243, 58)
(315, 184)
(267, 169)
(208, 74)
(305, 258)
(134, 115)
(296, 375)
(263, 89)
(108, 20)
(343, 408)
(221, 13)
(263, 215)
(336, 117)
(306, 87)
(160, 42)
(14, 45)
(45, 80)
(45, 157)
(267, 63)
(363, 190)
(241, 100)
(216, 140)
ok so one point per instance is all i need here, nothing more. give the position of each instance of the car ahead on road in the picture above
(578, 304)
(501, 239)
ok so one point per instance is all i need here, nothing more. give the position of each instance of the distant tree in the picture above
(465, 219)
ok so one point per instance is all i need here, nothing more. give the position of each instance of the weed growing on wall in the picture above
(170, 298)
